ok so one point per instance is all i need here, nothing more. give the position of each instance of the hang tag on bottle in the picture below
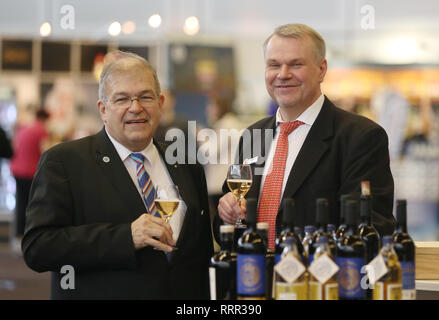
(376, 269)
(289, 268)
(323, 268)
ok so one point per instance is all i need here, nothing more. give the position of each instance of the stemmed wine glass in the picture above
(167, 200)
(239, 180)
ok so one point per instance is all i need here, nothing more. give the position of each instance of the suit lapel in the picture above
(258, 167)
(115, 171)
(314, 147)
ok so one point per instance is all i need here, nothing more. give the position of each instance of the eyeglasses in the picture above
(125, 102)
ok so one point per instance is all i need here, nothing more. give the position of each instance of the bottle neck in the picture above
(365, 210)
(227, 242)
(401, 226)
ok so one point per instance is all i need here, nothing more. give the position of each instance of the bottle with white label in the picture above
(251, 259)
(323, 283)
(222, 268)
(405, 249)
(290, 277)
(389, 286)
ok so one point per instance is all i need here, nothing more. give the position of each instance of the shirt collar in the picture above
(124, 152)
(309, 115)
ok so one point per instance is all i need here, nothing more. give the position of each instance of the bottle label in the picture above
(293, 291)
(289, 268)
(310, 259)
(349, 277)
(316, 290)
(323, 268)
(251, 274)
(387, 291)
(212, 281)
(276, 258)
(408, 275)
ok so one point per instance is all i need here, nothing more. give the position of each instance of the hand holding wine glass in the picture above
(239, 180)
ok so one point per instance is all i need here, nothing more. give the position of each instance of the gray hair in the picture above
(112, 65)
(300, 31)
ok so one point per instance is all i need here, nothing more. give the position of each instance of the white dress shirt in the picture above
(158, 173)
(295, 140)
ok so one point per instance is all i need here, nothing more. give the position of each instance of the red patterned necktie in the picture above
(271, 192)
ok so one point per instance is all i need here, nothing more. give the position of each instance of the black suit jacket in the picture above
(80, 214)
(341, 150)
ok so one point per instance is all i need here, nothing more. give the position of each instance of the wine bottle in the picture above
(389, 286)
(222, 269)
(366, 230)
(323, 283)
(262, 228)
(299, 232)
(251, 259)
(342, 225)
(322, 219)
(405, 249)
(290, 277)
(351, 257)
(332, 231)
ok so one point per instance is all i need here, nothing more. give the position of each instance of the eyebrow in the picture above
(123, 93)
(288, 62)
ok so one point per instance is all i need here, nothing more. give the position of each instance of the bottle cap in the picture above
(310, 229)
(343, 199)
(227, 228)
(351, 212)
(298, 230)
(288, 210)
(401, 211)
(322, 211)
(331, 227)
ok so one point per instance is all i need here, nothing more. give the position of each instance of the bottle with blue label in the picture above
(351, 258)
(405, 249)
(262, 228)
(251, 259)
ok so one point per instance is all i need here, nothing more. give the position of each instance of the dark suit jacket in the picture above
(80, 214)
(341, 150)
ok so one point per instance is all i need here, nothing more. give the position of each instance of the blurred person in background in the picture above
(29, 143)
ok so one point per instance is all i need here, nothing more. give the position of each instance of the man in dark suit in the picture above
(89, 211)
(318, 150)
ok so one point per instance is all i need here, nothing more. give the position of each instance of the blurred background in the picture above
(383, 59)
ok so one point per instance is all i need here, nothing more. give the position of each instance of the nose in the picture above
(135, 105)
(284, 72)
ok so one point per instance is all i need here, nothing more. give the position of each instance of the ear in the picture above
(161, 102)
(323, 67)
(102, 110)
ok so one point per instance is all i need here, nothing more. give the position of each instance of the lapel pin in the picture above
(106, 159)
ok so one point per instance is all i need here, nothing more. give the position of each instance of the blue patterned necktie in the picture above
(145, 183)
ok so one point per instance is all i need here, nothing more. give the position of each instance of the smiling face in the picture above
(133, 126)
(292, 73)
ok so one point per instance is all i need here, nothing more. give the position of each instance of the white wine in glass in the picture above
(167, 200)
(239, 180)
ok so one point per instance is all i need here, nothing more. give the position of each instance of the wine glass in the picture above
(167, 200)
(239, 180)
